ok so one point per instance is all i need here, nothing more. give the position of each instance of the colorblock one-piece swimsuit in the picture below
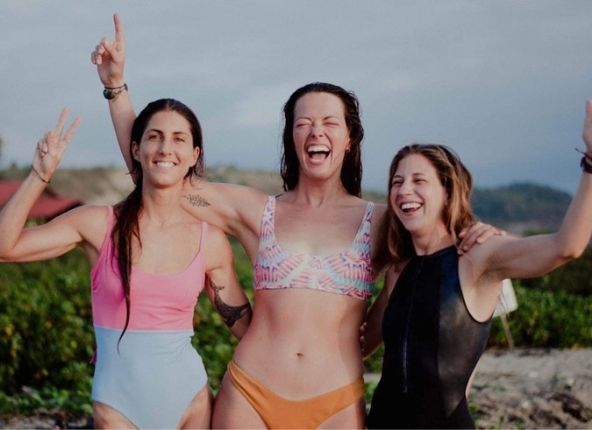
(154, 372)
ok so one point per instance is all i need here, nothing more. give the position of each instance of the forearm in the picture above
(14, 214)
(123, 117)
(576, 228)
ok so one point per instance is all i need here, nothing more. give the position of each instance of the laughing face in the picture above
(320, 133)
(166, 150)
(417, 196)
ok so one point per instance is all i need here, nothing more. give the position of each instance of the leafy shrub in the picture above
(547, 319)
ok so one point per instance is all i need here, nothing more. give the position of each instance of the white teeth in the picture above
(410, 206)
(165, 164)
(318, 148)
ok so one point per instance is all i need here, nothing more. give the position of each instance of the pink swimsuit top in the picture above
(348, 272)
(159, 301)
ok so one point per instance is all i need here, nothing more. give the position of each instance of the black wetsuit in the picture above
(432, 344)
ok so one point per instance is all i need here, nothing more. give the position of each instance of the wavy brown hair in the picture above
(351, 171)
(127, 212)
(394, 241)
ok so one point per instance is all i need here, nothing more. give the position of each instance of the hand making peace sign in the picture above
(51, 147)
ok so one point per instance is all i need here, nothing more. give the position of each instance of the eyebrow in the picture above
(157, 130)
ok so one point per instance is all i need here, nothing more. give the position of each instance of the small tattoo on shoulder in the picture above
(197, 200)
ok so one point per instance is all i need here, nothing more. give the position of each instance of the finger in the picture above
(587, 135)
(470, 237)
(71, 130)
(119, 38)
(61, 121)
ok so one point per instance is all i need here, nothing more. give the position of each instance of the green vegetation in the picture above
(46, 339)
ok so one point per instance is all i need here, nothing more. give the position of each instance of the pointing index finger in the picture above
(118, 29)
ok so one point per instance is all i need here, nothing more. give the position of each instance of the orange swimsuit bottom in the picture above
(277, 412)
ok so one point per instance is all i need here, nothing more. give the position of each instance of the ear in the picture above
(196, 155)
(135, 151)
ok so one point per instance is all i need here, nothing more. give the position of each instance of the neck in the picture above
(162, 205)
(428, 243)
(318, 192)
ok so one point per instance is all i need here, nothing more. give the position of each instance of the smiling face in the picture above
(417, 196)
(320, 133)
(166, 151)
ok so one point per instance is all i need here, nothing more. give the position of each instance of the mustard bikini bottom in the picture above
(277, 412)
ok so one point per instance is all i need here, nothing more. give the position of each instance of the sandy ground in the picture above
(524, 388)
(533, 388)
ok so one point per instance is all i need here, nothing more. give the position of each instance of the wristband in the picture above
(111, 93)
(586, 165)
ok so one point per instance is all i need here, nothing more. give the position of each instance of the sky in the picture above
(504, 83)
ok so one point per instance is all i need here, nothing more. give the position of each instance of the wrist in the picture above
(35, 173)
(111, 93)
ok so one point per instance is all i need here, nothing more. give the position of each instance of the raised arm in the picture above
(235, 209)
(109, 57)
(536, 255)
(222, 286)
(49, 240)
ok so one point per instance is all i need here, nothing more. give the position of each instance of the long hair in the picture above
(128, 211)
(394, 241)
(351, 171)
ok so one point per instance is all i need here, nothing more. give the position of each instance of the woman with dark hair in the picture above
(299, 365)
(435, 311)
(145, 273)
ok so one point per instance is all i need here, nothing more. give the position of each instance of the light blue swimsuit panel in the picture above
(153, 377)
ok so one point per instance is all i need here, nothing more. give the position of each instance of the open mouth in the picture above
(318, 152)
(410, 207)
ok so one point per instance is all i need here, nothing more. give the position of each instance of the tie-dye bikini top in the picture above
(348, 272)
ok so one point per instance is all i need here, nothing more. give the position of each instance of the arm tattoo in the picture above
(230, 314)
(197, 200)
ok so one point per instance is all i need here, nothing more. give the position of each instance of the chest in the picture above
(316, 231)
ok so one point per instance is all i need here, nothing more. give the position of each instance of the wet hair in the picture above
(351, 171)
(394, 241)
(128, 211)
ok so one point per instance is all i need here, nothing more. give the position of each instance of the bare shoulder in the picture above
(229, 191)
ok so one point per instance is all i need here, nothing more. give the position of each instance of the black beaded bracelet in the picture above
(111, 93)
(586, 164)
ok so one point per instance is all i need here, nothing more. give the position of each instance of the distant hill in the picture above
(517, 207)
(521, 206)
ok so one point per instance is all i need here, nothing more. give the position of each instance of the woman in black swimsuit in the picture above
(434, 313)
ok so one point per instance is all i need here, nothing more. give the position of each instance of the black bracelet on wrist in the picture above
(586, 164)
(111, 93)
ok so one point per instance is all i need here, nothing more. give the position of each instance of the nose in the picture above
(318, 130)
(406, 187)
(165, 146)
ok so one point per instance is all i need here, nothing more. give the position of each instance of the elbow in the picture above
(570, 252)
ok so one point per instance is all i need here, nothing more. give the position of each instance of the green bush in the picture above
(46, 337)
(547, 319)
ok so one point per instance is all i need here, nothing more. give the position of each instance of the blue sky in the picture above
(502, 82)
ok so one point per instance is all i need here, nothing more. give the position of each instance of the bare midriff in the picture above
(302, 343)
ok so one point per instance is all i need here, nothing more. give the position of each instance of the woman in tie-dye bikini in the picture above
(299, 365)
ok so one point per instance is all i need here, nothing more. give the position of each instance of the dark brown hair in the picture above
(351, 171)
(128, 211)
(394, 241)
